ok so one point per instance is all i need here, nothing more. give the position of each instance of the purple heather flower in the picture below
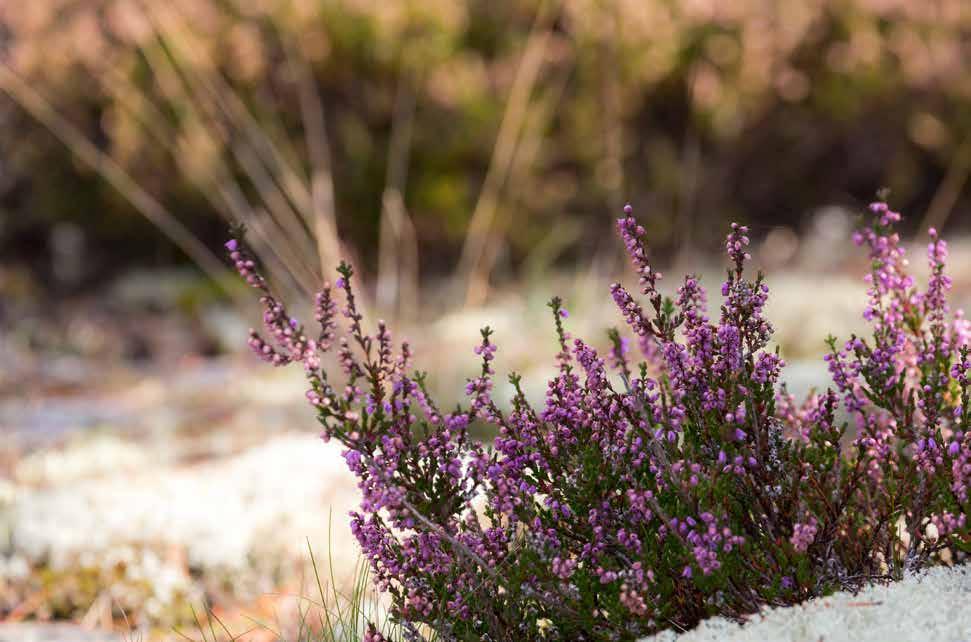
(603, 488)
(804, 534)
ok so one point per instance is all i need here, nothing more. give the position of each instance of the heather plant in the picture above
(657, 488)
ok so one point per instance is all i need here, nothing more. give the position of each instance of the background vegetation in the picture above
(468, 133)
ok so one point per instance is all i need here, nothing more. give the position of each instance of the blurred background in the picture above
(469, 157)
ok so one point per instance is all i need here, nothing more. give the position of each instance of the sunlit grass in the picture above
(327, 614)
